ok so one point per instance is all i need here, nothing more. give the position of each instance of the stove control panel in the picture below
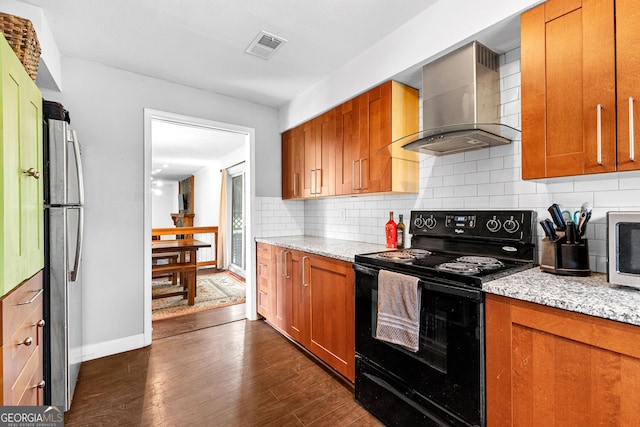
(510, 225)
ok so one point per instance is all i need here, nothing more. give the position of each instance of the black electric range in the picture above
(452, 253)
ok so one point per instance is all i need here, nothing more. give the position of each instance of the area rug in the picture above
(213, 291)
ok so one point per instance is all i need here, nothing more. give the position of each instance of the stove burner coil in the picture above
(459, 267)
(481, 261)
(404, 254)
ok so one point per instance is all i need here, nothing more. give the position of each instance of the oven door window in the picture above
(629, 248)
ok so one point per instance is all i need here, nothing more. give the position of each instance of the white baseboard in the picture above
(108, 348)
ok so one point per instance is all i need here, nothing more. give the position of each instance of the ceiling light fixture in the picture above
(265, 45)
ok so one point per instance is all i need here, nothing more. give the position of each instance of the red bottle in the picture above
(391, 230)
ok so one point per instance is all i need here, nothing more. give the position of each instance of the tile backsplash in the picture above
(488, 178)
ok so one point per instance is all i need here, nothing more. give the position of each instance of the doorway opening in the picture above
(182, 162)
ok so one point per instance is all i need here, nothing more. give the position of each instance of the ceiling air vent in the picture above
(265, 45)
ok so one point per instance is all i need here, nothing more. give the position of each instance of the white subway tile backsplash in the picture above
(488, 178)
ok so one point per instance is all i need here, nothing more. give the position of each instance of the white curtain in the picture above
(222, 261)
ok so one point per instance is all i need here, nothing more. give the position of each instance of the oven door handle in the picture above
(365, 270)
(472, 294)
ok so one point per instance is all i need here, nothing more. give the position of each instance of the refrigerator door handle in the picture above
(76, 151)
(79, 239)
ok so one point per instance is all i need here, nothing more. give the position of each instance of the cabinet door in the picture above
(628, 83)
(352, 153)
(264, 274)
(292, 163)
(568, 89)
(280, 303)
(547, 366)
(298, 299)
(325, 126)
(22, 197)
(331, 313)
(378, 136)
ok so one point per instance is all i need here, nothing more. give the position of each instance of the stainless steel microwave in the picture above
(623, 248)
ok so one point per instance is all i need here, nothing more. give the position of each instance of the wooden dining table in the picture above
(185, 266)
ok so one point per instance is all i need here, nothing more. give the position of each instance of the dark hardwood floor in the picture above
(241, 373)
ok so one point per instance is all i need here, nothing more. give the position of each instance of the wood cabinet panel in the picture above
(546, 366)
(265, 278)
(292, 164)
(578, 74)
(22, 335)
(313, 304)
(348, 149)
(628, 83)
(331, 313)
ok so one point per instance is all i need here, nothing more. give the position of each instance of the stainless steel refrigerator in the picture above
(64, 218)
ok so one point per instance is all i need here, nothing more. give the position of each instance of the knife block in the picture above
(566, 259)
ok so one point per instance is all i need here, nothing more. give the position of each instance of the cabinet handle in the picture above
(314, 182)
(281, 262)
(632, 149)
(599, 133)
(38, 293)
(40, 385)
(286, 264)
(360, 161)
(31, 172)
(40, 323)
(304, 280)
(353, 174)
(27, 342)
(262, 292)
(318, 172)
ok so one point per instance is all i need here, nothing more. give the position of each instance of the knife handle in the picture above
(556, 216)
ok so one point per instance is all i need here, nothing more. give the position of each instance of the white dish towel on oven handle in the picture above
(398, 309)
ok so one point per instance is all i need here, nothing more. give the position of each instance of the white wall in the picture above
(483, 179)
(164, 204)
(442, 27)
(207, 195)
(106, 107)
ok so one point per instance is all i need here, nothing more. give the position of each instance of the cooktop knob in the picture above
(419, 222)
(511, 226)
(493, 225)
(430, 222)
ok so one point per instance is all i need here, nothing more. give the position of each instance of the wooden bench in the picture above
(171, 258)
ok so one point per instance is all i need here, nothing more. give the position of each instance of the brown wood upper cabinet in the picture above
(348, 149)
(579, 64)
(292, 163)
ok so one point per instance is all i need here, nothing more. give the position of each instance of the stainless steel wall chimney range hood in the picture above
(461, 104)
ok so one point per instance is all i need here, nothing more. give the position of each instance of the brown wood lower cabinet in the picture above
(22, 362)
(312, 302)
(547, 366)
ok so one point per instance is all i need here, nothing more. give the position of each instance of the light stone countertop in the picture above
(590, 295)
(344, 250)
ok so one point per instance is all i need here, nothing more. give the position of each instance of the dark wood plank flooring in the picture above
(242, 373)
(193, 321)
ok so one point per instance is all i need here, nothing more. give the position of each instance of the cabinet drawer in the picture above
(24, 390)
(263, 251)
(19, 303)
(21, 345)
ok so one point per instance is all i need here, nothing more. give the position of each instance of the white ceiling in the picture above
(201, 44)
(180, 150)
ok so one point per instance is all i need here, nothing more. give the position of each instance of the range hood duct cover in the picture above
(461, 104)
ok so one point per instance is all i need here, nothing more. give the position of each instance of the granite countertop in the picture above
(591, 295)
(344, 250)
